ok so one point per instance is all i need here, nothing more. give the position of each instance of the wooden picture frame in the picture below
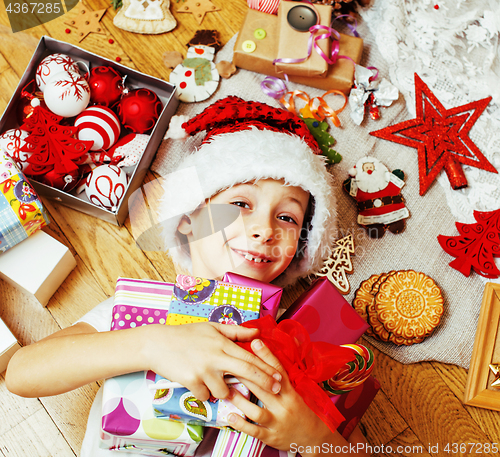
(478, 390)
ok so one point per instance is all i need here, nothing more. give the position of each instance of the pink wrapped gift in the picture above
(140, 302)
(319, 308)
(271, 294)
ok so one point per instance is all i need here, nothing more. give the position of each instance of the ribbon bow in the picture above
(306, 363)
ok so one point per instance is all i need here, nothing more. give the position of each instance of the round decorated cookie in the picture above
(409, 304)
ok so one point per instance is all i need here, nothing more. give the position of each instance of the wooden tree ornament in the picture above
(339, 264)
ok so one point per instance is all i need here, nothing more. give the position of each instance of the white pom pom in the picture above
(352, 172)
(175, 130)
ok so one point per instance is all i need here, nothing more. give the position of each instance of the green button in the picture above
(260, 34)
(249, 46)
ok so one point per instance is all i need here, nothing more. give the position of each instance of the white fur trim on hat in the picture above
(244, 156)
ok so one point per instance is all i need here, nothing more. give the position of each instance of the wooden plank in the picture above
(382, 422)
(8, 82)
(108, 251)
(456, 378)
(426, 403)
(71, 421)
(40, 438)
(14, 409)
(406, 444)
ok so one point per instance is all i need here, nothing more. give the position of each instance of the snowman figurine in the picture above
(196, 78)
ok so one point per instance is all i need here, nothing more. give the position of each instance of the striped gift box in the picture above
(140, 302)
(235, 444)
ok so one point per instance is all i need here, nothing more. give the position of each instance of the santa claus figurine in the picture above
(377, 192)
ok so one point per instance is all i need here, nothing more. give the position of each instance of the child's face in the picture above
(261, 243)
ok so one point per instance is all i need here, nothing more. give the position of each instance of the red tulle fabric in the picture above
(306, 363)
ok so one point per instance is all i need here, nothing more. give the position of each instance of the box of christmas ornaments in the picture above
(85, 129)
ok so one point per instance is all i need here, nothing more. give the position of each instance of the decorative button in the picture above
(249, 46)
(377, 203)
(302, 18)
(260, 34)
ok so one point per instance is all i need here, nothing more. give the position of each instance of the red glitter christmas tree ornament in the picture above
(52, 146)
(476, 246)
(441, 137)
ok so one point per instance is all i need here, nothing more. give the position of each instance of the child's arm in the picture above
(286, 422)
(196, 355)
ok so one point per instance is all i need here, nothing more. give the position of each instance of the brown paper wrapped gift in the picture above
(293, 44)
(340, 75)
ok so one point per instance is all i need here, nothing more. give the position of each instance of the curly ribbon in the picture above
(314, 38)
(306, 363)
(352, 28)
(316, 106)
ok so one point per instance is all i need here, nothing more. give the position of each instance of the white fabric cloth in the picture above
(399, 42)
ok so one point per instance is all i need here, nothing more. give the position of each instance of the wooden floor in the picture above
(419, 405)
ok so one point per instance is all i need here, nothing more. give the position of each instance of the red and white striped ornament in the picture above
(265, 6)
(99, 124)
(105, 186)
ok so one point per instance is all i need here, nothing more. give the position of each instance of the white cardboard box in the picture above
(37, 266)
(8, 345)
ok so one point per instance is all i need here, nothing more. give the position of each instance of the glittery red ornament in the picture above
(476, 246)
(106, 86)
(441, 137)
(139, 109)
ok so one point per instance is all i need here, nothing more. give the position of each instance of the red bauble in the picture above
(65, 181)
(29, 98)
(106, 86)
(139, 110)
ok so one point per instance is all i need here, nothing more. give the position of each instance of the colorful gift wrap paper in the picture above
(271, 294)
(140, 302)
(204, 300)
(129, 423)
(180, 404)
(234, 444)
(21, 211)
(326, 314)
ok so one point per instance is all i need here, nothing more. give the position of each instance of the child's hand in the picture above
(199, 355)
(286, 421)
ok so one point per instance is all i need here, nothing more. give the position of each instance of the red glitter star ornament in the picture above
(441, 137)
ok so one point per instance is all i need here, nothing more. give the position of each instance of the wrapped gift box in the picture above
(37, 266)
(179, 403)
(140, 302)
(340, 75)
(21, 211)
(215, 301)
(129, 423)
(293, 44)
(134, 79)
(319, 308)
(8, 345)
(271, 294)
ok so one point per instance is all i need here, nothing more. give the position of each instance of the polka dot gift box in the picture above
(140, 302)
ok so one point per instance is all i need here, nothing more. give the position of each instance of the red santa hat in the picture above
(247, 141)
